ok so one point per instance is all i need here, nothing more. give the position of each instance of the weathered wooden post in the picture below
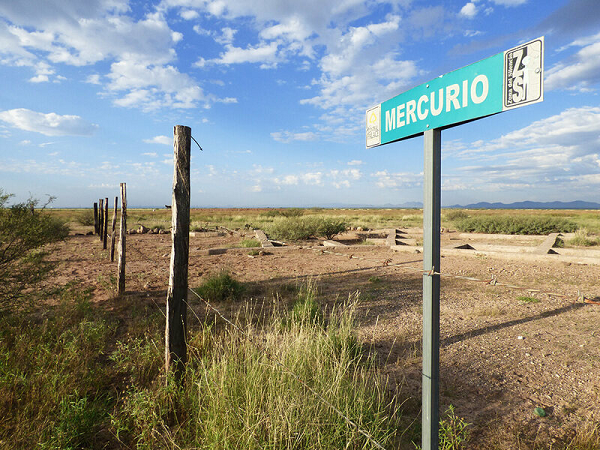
(101, 217)
(105, 233)
(175, 330)
(112, 235)
(122, 234)
(96, 231)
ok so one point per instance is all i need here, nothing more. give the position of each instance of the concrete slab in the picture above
(262, 237)
(546, 247)
(391, 238)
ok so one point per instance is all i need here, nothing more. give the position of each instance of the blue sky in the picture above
(276, 91)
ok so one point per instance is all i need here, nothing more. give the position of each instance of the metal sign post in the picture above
(431, 288)
(502, 82)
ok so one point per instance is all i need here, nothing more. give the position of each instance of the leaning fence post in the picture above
(101, 217)
(122, 233)
(175, 330)
(96, 231)
(105, 234)
(112, 235)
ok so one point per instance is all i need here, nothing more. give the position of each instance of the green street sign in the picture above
(507, 80)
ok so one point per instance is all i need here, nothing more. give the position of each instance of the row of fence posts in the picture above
(101, 229)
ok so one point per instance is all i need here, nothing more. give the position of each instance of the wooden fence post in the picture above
(112, 235)
(123, 232)
(96, 231)
(101, 217)
(105, 234)
(175, 330)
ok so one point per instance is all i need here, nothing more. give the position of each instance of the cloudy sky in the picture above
(275, 92)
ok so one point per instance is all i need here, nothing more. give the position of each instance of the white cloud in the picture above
(341, 184)
(50, 124)
(139, 50)
(287, 136)
(151, 154)
(579, 72)
(266, 54)
(227, 35)
(152, 87)
(164, 140)
(93, 79)
(25, 142)
(259, 169)
(355, 162)
(397, 180)
(287, 180)
(544, 155)
(469, 10)
(509, 2)
(313, 178)
(189, 14)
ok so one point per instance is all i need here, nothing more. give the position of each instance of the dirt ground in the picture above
(501, 356)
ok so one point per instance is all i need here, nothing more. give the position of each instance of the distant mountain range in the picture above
(577, 204)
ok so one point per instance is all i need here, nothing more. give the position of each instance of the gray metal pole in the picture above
(431, 289)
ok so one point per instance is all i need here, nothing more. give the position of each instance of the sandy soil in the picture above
(500, 358)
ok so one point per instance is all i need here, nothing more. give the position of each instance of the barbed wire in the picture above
(273, 359)
(493, 281)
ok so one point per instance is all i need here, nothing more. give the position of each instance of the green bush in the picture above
(219, 287)
(86, 218)
(456, 214)
(293, 229)
(24, 231)
(303, 228)
(292, 212)
(516, 225)
(328, 228)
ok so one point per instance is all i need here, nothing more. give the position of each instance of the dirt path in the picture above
(501, 356)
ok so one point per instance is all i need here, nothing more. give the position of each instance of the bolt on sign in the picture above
(507, 80)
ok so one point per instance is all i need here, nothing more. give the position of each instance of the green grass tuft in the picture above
(525, 299)
(583, 238)
(219, 287)
(250, 243)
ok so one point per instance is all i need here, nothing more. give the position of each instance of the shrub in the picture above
(292, 212)
(516, 225)
(330, 227)
(302, 228)
(271, 213)
(24, 231)
(220, 287)
(86, 218)
(456, 214)
(293, 229)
